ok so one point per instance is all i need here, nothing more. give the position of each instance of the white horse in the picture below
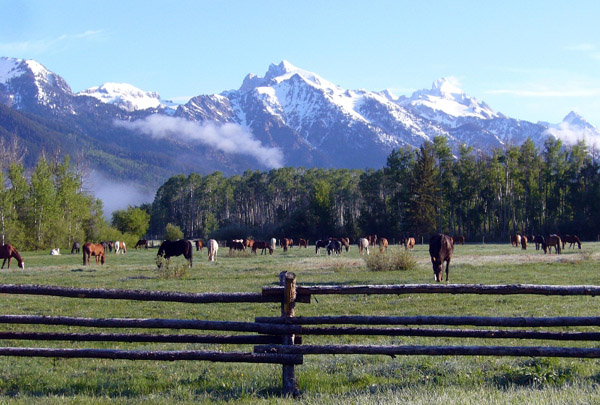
(273, 243)
(363, 245)
(213, 248)
(120, 247)
(55, 252)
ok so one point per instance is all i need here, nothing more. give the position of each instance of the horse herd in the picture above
(546, 243)
(441, 248)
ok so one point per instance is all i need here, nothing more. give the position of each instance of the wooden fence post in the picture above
(288, 310)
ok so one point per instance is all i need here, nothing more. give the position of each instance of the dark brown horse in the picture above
(142, 243)
(76, 248)
(8, 251)
(459, 240)
(572, 240)
(302, 243)
(93, 249)
(440, 250)
(170, 248)
(263, 246)
(552, 240)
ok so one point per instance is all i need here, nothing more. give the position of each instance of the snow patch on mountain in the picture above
(127, 97)
(446, 103)
(9, 69)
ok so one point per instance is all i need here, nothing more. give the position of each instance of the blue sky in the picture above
(533, 60)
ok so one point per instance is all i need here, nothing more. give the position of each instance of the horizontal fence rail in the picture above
(435, 320)
(137, 295)
(266, 328)
(454, 333)
(140, 337)
(589, 290)
(533, 351)
(274, 358)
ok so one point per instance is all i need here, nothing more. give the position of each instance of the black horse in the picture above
(179, 247)
(76, 248)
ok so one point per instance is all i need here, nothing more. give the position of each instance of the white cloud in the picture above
(228, 138)
(116, 195)
(45, 44)
(571, 134)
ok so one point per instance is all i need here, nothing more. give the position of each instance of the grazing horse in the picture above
(440, 250)
(302, 243)
(515, 240)
(552, 240)
(539, 241)
(273, 243)
(409, 243)
(93, 249)
(76, 248)
(199, 245)
(170, 248)
(363, 246)
(8, 251)
(345, 243)
(334, 246)
(383, 245)
(372, 240)
(213, 248)
(263, 246)
(236, 244)
(459, 240)
(142, 243)
(55, 252)
(120, 247)
(523, 242)
(321, 243)
(572, 240)
(286, 243)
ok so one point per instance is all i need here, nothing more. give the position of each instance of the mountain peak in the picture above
(574, 118)
(125, 96)
(446, 87)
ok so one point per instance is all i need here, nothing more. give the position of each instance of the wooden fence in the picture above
(278, 339)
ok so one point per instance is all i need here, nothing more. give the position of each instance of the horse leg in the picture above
(4, 263)
(447, 269)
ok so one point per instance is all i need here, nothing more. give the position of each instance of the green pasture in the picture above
(322, 379)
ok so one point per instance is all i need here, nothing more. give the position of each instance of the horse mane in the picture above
(16, 255)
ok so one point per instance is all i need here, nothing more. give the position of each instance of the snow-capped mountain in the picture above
(310, 120)
(26, 84)
(128, 97)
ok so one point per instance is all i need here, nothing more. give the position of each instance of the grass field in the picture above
(322, 379)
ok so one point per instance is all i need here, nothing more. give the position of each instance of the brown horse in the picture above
(8, 251)
(93, 249)
(440, 250)
(142, 243)
(286, 243)
(515, 240)
(459, 240)
(302, 243)
(383, 245)
(263, 246)
(523, 242)
(178, 247)
(572, 240)
(199, 245)
(345, 243)
(372, 240)
(552, 240)
(409, 243)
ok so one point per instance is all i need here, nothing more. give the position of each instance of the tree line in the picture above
(555, 189)
(50, 208)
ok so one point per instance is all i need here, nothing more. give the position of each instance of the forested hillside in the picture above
(519, 189)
